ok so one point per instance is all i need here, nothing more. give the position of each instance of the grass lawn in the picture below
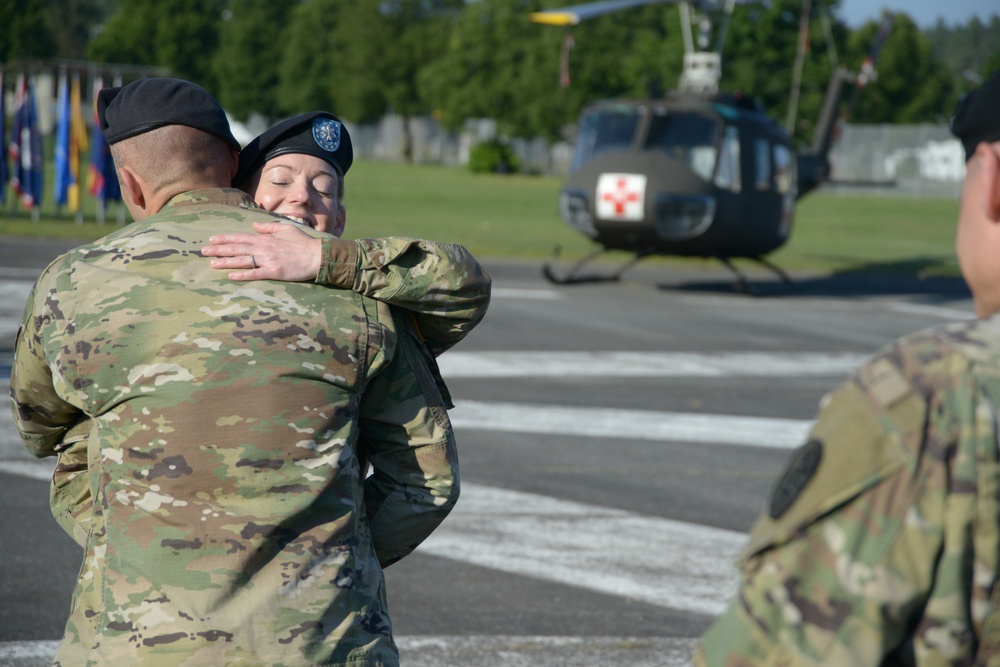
(517, 217)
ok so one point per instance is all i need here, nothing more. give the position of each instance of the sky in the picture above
(923, 12)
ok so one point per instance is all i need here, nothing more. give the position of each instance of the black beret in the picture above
(977, 116)
(146, 104)
(316, 133)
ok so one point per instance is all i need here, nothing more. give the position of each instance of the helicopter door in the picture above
(786, 182)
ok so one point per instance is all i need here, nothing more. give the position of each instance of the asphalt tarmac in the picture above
(617, 441)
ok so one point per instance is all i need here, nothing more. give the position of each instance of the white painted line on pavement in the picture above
(631, 424)
(936, 311)
(645, 364)
(41, 470)
(525, 293)
(672, 564)
(465, 650)
(27, 649)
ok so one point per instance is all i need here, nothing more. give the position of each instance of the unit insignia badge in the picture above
(326, 132)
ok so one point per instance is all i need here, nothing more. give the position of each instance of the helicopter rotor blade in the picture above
(574, 14)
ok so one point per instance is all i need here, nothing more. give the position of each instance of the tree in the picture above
(759, 58)
(247, 64)
(70, 23)
(416, 33)
(180, 35)
(24, 30)
(309, 67)
(912, 86)
(496, 64)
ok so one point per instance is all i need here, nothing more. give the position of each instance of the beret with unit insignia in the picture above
(316, 133)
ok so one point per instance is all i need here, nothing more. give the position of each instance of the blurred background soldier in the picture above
(881, 542)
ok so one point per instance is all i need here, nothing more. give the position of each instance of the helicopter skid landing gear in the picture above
(741, 282)
(571, 276)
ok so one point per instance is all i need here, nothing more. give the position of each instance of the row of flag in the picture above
(24, 149)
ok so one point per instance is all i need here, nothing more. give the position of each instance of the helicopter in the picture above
(698, 173)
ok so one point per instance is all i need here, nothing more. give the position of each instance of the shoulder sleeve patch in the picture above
(854, 444)
(798, 473)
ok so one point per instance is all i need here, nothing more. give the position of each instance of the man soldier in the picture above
(232, 524)
(881, 541)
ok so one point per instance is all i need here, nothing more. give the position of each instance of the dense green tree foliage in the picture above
(760, 56)
(912, 86)
(969, 51)
(310, 62)
(460, 59)
(497, 65)
(180, 35)
(247, 64)
(25, 32)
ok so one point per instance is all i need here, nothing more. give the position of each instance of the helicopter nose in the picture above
(573, 207)
(680, 217)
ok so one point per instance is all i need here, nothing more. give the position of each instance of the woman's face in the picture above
(303, 188)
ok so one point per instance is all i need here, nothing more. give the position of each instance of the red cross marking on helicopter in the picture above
(620, 196)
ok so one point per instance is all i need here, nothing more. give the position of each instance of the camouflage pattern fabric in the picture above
(445, 289)
(881, 545)
(442, 284)
(231, 522)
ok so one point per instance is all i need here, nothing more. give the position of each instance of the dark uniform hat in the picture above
(316, 133)
(146, 104)
(977, 116)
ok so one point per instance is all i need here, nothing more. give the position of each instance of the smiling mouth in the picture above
(298, 220)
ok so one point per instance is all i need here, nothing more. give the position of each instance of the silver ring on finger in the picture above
(253, 262)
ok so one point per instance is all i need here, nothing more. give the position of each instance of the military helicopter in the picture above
(699, 173)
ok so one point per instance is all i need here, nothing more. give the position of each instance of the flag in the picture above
(35, 165)
(102, 177)
(77, 142)
(3, 142)
(62, 176)
(14, 147)
(26, 147)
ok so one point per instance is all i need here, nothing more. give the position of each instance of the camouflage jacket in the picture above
(442, 286)
(881, 542)
(231, 521)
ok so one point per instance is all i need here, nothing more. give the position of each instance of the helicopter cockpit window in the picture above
(762, 163)
(686, 136)
(603, 130)
(727, 172)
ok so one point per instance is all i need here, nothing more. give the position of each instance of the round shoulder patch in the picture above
(326, 132)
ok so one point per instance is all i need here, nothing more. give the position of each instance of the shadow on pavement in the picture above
(907, 278)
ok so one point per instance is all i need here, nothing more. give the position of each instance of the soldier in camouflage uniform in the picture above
(881, 542)
(231, 523)
(444, 288)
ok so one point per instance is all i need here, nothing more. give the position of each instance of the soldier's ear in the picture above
(132, 188)
(131, 185)
(989, 155)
